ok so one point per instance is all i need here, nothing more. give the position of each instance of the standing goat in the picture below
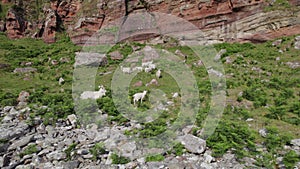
(94, 94)
(158, 74)
(126, 70)
(139, 96)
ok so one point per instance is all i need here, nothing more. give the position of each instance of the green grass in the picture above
(29, 150)
(270, 96)
(116, 159)
(278, 5)
(97, 150)
(157, 157)
(69, 150)
(3, 10)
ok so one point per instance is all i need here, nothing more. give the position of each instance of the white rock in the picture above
(193, 144)
(295, 142)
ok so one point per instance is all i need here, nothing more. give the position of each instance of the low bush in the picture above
(119, 159)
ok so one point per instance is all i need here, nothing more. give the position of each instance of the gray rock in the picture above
(23, 96)
(150, 54)
(46, 151)
(6, 160)
(15, 131)
(127, 149)
(6, 109)
(90, 59)
(219, 55)
(228, 60)
(208, 158)
(193, 144)
(109, 160)
(50, 130)
(295, 142)
(41, 129)
(29, 166)
(206, 166)
(47, 165)
(20, 143)
(293, 65)
(1, 162)
(7, 119)
(87, 156)
(56, 156)
(72, 119)
(83, 152)
(297, 45)
(3, 147)
(116, 55)
(277, 42)
(71, 164)
(263, 132)
(155, 165)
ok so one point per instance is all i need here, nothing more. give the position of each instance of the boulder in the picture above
(20, 143)
(219, 55)
(90, 59)
(116, 55)
(193, 144)
(23, 96)
(138, 84)
(295, 142)
(15, 24)
(277, 42)
(50, 26)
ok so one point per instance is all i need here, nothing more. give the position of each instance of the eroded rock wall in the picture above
(221, 20)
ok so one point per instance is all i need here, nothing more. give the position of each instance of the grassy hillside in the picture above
(270, 92)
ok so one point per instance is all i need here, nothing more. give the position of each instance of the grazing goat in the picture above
(158, 74)
(175, 95)
(147, 69)
(146, 64)
(94, 94)
(139, 69)
(126, 69)
(139, 96)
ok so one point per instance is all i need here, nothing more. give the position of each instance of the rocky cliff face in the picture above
(221, 20)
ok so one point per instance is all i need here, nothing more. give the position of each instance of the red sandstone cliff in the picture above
(221, 20)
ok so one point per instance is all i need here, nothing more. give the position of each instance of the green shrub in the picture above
(8, 98)
(257, 95)
(178, 149)
(153, 128)
(69, 150)
(98, 149)
(119, 159)
(157, 157)
(290, 159)
(29, 150)
(231, 135)
(276, 112)
(274, 140)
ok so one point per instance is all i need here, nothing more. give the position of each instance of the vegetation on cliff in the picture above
(263, 92)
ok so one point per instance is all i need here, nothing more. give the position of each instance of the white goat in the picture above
(152, 66)
(175, 95)
(139, 69)
(146, 64)
(139, 96)
(147, 69)
(126, 69)
(60, 81)
(158, 74)
(94, 94)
